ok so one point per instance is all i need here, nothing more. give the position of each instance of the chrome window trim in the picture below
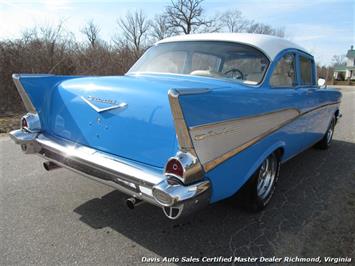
(294, 86)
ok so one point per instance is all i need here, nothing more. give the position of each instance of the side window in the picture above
(306, 71)
(284, 72)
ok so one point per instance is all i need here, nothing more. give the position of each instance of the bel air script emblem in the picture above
(112, 104)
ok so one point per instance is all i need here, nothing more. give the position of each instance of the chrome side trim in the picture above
(191, 91)
(182, 132)
(185, 144)
(213, 141)
(209, 133)
(23, 94)
(320, 107)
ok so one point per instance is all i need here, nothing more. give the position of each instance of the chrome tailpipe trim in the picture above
(49, 166)
(132, 202)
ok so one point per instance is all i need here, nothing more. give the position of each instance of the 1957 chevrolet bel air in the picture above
(194, 121)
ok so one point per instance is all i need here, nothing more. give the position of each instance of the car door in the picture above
(286, 92)
(312, 97)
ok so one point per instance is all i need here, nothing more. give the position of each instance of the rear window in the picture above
(306, 66)
(222, 60)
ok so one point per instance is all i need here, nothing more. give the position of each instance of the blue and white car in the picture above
(195, 120)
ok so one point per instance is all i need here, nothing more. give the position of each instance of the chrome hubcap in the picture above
(266, 177)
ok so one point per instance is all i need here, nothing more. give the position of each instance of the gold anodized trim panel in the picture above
(216, 142)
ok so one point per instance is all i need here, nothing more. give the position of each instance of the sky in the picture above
(324, 27)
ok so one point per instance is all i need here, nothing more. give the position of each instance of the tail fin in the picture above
(35, 88)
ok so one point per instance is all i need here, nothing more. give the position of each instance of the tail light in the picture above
(24, 124)
(174, 167)
(184, 166)
(30, 122)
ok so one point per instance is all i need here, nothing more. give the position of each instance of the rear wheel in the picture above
(325, 142)
(262, 185)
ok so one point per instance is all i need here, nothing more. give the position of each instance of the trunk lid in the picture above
(141, 126)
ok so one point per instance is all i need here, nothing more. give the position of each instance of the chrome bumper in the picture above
(131, 178)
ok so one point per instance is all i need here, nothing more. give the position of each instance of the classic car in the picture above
(197, 119)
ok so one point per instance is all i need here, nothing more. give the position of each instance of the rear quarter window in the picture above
(284, 73)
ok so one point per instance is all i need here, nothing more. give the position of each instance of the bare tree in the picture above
(51, 34)
(338, 60)
(261, 28)
(280, 32)
(185, 16)
(53, 39)
(325, 72)
(135, 28)
(160, 30)
(213, 25)
(91, 31)
(233, 21)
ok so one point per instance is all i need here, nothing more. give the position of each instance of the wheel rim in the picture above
(330, 133)
(266, 178)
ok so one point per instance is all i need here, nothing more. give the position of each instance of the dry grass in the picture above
(10, 122)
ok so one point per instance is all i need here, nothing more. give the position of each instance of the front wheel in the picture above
(325, 142)
(262, 184)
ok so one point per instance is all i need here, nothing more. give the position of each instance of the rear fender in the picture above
(263, 156)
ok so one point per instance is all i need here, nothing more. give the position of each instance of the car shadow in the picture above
(305, 189)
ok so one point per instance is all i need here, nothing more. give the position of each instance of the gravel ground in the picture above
(61, 218)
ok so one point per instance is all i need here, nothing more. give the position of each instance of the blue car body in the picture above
(144, 133)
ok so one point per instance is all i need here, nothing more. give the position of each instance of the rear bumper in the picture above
(131, 178)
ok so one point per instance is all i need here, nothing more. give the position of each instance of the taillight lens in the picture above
(24, 123)
(174, 167)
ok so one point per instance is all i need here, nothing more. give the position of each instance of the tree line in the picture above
(55, 50)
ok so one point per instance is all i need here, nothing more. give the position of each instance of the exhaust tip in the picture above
(132, 202)
(50, 166)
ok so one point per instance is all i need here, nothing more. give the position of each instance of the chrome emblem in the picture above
(112, 104)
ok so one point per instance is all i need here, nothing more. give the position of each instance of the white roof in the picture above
(270, 45)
